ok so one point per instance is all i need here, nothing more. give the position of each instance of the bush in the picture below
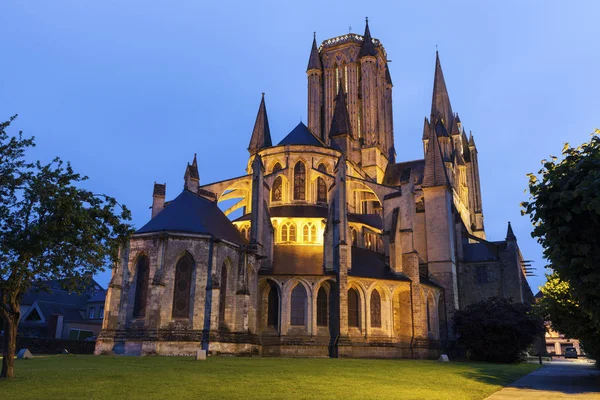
(497, 330)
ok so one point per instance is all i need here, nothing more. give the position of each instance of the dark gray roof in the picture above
(52, 291)
(192, 213)
(314, 61)
(261, 134)
(301, 135)
(440, 103)
(368, 47)
(340, 123)
(396, 174)
(98, 297)
(478, 252)
(370, 264)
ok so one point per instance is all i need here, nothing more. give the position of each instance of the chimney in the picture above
(158, 198)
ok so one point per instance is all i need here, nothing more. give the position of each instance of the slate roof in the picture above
(368, 47)
(191, 213)
(479, 252)
(440, 103)
(340, 123)
(301, 135)
(314, 61)
(370, 264)
(261, 134)
(396, 174)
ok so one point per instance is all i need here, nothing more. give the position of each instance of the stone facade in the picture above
(340, 250)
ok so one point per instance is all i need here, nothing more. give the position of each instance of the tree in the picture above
(497, 330)
(50, 228)
(559, 307)
(565, 210)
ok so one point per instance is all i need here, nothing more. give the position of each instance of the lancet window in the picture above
(182, 289)
(299, 181)
(375, 309)
(141, 286)
(298, 306)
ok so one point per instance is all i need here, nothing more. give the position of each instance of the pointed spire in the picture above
(340, 123)
(440, 103)
(388, 77)
(195, 163)
(426, 129)
(192, 169)
(314, 61)
(368, 47)
(471, 140)
(261, 135)
(510, 235)
(435, 171)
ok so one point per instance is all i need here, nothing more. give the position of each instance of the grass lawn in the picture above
(105, 377)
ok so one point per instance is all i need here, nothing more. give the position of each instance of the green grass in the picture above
(104, 377)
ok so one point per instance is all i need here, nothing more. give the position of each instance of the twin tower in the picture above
(350, 100)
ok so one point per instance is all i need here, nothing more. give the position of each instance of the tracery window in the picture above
(277, 167)
(223, 295)
(375, 309)
(354, 237)
(299, 181)
(288, 232)
(353, 308)
(141, 286)
(277, 190)
(298, 306)
(183, 284)
(273, 307)
(322, 307)
(309, 232)
(321, 186)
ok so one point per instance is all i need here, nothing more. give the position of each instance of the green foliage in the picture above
(50, 228)
(565, 211)
(497, 330)
(244, 378)
(559, 307)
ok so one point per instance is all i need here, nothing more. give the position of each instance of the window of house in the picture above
(34, 316)
(298, 305)
(91, 313)
(375, 309)
(299, 181)
(101, 313)
(353, 309)
(141, 286)
(322, 307)
(482, 276)
(182, 287)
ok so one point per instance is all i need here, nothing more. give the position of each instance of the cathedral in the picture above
(340, 251)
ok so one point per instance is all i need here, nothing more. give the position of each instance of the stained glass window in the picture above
(277, 189)
(298, 305)
(141, 287)
(375, 309)
(223, 294)
(299, 181)
(183, 283)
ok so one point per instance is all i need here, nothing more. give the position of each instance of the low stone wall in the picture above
(53, 346)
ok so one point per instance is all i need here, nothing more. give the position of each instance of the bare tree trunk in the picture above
(9, 345)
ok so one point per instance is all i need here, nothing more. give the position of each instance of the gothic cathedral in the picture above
(340, 251)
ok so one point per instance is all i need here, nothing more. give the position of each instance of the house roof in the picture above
(396, 174)
(301, 135)
(370, 264)
(191, 213)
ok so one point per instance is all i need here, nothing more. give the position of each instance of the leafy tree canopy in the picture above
(565, 211)
(50, 228)
(497, 330)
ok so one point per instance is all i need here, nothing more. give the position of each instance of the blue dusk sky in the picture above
(128, 91)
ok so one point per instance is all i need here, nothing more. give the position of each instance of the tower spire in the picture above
(340, 124)
(314, 61)
(435, 171)
(440, 103)
(368, 48)
(510, 235)
(261, 135)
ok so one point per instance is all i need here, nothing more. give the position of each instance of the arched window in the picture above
(288, 232)
(277, 167)
(277, 190)
(223, 295)
(321, 186)
(273, 307)
(298, 306)
(354, 237)
(322, 307)
(309, 232)
(183, 284)
(141, 286)
(375, 309)
(299, 181)
(353, 308)
(430, 314)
